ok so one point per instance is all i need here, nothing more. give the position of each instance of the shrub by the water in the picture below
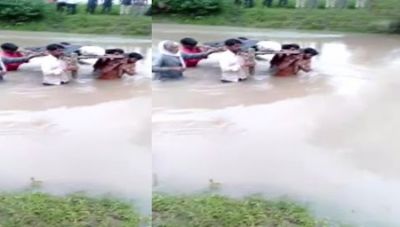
(21, 10)
(215, 210)
(187, 7)
(39, 209)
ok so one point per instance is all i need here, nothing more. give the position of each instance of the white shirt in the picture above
(53, 70)
(231, 66)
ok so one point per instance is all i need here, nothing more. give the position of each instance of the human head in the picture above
(55, 49)
(309, 53)
(233, 45)
(116, 51)
(9, 47)
(189, 42)
(134, 57)
(292, 46)
(171, 47)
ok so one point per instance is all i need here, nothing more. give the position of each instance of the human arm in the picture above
(304, 65)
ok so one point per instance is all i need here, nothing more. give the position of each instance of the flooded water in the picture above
(328, 138)
(89, 135)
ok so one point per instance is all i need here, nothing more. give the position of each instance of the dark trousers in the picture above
(61, 6)
(91, 8)
(71, 8)
(249, 3)
(268, 3)
(106, 8)
(283, 2)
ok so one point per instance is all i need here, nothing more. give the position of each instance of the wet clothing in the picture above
(4, 61)
(172, 61)
(12, 66)
(192, 62)
(53, 70)
(231, 67)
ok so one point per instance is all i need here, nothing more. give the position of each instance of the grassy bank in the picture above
(384, 17)
(43, 210)
(112, 24)
(215, 210)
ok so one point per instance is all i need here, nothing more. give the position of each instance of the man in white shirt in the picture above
(55, 70)
(233, 66)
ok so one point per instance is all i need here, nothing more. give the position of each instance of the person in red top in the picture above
(10, 50)
(189, 46)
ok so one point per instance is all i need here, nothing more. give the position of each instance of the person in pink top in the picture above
(189, 46)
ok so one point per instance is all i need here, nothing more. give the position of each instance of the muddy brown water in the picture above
(89, 135)
(327, 138)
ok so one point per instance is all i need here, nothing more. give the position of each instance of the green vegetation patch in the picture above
(380, 17)
(215, 210)
(48, 19)
(43, 210)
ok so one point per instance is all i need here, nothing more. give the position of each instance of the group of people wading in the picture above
(60, 61)
(237, 58)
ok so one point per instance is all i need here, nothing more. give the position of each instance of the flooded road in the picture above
(89, 135)
(327, 138)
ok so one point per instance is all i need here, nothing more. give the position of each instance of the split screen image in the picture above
(185, 113)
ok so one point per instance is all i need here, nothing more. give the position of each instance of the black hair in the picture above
(232, 42)
(114, 51)
(135, 55)
(9, 47)
(189, 41)
(311, 51)
(290, 46)
(53, 47)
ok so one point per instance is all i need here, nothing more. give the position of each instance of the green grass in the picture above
(384, 17)
(215, 210)
(112, 24)
(42, 210)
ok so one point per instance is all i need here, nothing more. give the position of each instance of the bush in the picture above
(187, 7)
(395, 27)
(15, 11)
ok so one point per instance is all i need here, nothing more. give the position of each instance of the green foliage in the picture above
(42, 210)
(186, 7)
(381, 16)
(21, 10)
(113, 24)
(215, 210)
